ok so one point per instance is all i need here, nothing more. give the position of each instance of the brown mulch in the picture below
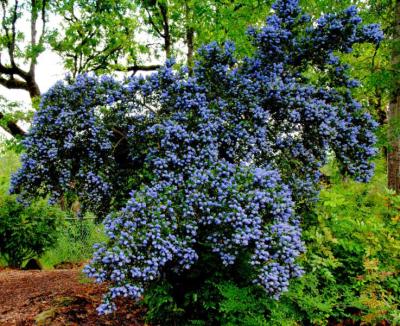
(57, 297)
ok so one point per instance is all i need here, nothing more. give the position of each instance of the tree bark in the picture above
(393, 155)
(136, 68)
(189, 37)
(33, 87)
(167, 33)
(13, 128)
(393, 158)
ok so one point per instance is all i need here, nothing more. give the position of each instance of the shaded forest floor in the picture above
(56, 297)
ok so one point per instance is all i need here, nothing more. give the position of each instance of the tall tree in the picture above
(192, 23)
(95, 35)
(99, 36)
(162, 20)
(394, 108)
(19, 50)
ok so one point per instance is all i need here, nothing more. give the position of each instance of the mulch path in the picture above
(57, 297)
(65, 297)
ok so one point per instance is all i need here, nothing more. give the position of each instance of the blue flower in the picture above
(227, 157)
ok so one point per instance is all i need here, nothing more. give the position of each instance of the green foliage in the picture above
(207, 20)
(242, 306)
(26, 232)
(9, 162)
(10, 113)
(195, 304)
(353, 258)
(161, 304)
(95, 37)
(11, 110)
(219, 21)
(40, 230)
(13, 32)
(74, 243)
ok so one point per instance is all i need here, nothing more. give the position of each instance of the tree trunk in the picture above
(189, 37)
(167, 33)
(393, 158)
(13, 128)
(33, 89)
(393, 155)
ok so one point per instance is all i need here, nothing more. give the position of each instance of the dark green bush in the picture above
(26, 231)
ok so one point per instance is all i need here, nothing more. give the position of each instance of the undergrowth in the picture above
(75, 242)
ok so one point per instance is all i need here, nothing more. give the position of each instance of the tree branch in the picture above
(104, 54)
(374, 56)
(13, 83)
(154, 24)
(136, 68)
(13, 35)
(33, 33)
(44, 3)
(13, 128)
(167, 35)
(28, 82)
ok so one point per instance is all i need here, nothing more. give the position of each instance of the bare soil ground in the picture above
(57, 297)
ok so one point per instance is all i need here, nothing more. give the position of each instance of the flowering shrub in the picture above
(225, 159)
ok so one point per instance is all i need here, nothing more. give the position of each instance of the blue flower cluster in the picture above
(69, 149)
(227, 157)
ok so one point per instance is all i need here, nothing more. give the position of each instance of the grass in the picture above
(9, 163)
(75, 243)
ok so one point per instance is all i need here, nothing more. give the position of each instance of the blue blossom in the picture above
(228, 156)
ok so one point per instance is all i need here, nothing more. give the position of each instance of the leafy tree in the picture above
(196, 22)
(19, 47)
(161, 25)
(91, 39)
(19, 51)
(211, 170)
(222, 20)
(394, 107)
(94, 36)
(103, 36)
(98, 36)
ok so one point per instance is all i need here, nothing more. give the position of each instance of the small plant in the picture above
(26, 231)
